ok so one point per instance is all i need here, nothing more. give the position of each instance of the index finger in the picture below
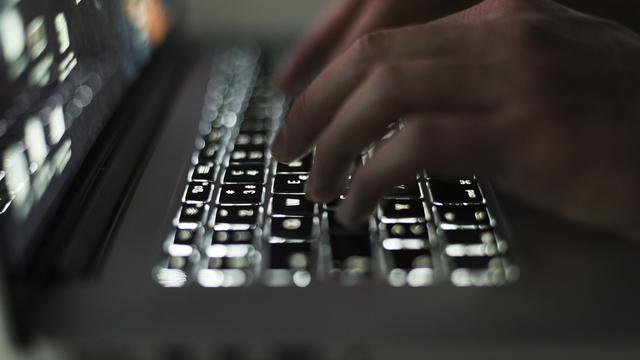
(316, 107)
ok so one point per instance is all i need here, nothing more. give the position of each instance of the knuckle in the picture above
(370, 47)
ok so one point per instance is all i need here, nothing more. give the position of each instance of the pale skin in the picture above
(541, 99)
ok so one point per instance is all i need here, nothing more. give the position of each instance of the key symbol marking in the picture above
(449, 216)
(255, 155)
(292, 202)
(291, 224)
(245, 213)
(191, 211)
(400, 207)
(243, 140)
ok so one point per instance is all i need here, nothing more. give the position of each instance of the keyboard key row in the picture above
(231, 230)
(244, 174)
(298, 166)
(241, 194)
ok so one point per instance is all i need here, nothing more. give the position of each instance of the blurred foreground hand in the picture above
(348, 20)
(539, 98)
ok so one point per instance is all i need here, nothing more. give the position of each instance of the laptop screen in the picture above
(64, 65)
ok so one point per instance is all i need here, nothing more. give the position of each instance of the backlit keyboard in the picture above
(243, 218)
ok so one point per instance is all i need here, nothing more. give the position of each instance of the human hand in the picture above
(348, 20)
(541, 99)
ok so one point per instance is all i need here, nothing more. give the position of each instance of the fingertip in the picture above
(278, 146)
(348, 216)
(318, 194)
(280, 155)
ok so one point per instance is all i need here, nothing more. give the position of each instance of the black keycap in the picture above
(288, 204)
(299, 166)
(462, 191)
(178, 263)
(192, 215)
(469, 237)
(208, 155)
(185, 237)
(471, 262)
(345, 247)
(242, 262)
(401, 210)
(244, 174)
(197, 192)
(254, 138)
(257, 111)
(294, 228)
(204, 172)
(248, 154)
(255, 124)
(237, 215)
(408, 191)
(289, 184)
(290, 256)
(461, 215)
(335, 227)
(232, 237)
(214, 136)
(408, 259)
(407, 231)
(240, 194)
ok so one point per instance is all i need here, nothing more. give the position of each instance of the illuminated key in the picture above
(461, 191)
(298, 228)
(290, 204)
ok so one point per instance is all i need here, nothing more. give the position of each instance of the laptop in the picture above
(141, 214)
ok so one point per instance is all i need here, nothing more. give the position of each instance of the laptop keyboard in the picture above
(244, 220)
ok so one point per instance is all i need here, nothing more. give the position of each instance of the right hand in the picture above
(348, 20)
(542, 100)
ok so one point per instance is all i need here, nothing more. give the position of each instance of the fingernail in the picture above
(317, 191)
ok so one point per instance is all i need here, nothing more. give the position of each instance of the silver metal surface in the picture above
(577, 290)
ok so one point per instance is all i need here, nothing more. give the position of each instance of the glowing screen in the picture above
(63, 67)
